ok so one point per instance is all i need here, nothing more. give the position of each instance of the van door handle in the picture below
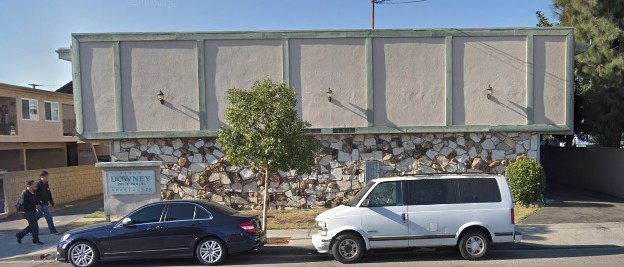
(403, 217)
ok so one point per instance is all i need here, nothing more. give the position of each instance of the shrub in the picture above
(526, 179)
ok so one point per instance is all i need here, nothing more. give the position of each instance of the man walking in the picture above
(45, 196)
(30, 206)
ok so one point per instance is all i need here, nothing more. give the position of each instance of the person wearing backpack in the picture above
(45, 196)
(29, 207)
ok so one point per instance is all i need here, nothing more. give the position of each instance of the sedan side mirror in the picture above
(126, 222)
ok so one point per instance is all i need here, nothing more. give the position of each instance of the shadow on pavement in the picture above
(294, 255)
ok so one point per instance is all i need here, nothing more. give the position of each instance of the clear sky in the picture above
(33, 29)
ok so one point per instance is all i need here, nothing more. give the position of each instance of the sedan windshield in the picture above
(360, 194)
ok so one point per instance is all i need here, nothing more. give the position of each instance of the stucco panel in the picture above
(97, 86)
(153, 66)
(237, 64)
(339, 64)
(549, 68)
(499, 62)
(409, 81)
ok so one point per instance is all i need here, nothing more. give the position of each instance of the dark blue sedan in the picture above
(177, 228)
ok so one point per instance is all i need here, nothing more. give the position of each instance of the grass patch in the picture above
(96, 215)
(521, 212)
(289, 219)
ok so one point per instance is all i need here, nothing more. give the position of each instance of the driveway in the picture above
(573, 205)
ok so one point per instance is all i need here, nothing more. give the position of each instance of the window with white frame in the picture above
(29, 109)
(51, 111)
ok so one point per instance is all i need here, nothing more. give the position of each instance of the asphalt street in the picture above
(306, 256)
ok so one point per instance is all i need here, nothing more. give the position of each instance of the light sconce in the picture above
(329, 94)
(489, 91)
(161, 97)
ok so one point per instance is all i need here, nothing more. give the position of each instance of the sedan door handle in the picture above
(151, 228)
(196, 224)
(403, 217)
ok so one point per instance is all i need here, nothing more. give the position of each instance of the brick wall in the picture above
(67, 184)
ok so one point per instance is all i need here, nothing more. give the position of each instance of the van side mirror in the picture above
(126, 222)
(365, 203)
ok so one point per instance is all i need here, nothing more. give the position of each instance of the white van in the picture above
(469, 211)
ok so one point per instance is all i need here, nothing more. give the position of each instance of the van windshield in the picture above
(360, 194)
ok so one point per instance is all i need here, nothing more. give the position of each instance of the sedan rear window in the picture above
(180, 211)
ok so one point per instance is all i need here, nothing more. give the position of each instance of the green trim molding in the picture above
(118, 94)
(201, 84)
(245, 35)
(77, 82)
(553, 129)
(530, 82)
(449, 79)
(370, 86)
(286, 62)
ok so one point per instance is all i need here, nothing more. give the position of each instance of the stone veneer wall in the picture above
(195, 168)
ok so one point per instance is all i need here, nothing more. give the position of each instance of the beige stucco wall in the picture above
(499, 62)
(237, 64)
(339, 64)
(67, 184)
(97, 77)
(150, 67)
(409, 81)
(549, 68)
(38, 130)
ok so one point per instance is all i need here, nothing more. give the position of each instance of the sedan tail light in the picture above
(248, 227)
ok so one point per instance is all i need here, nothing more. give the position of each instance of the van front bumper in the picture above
(321, 243)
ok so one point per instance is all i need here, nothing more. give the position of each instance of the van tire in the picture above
(348, 248)
(473, 245)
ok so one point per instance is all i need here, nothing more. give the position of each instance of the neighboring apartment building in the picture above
(37, 130)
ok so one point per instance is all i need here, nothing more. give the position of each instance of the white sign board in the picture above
(130, 182)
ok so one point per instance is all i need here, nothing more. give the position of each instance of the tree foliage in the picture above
(264, 130)
(601, 67)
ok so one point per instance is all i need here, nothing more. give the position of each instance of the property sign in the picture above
(129, 182)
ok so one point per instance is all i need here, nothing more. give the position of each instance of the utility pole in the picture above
(34, 85)
(372, 14)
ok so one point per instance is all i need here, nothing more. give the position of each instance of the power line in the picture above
(388, 2)
(391, 2)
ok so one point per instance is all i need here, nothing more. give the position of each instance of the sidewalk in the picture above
(65, 216)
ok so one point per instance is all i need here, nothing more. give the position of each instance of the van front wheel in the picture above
(473, 245)
(348, 248)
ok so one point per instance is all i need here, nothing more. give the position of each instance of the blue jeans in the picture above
(45, 211)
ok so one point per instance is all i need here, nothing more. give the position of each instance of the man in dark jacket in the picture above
(45, 196)
(31, 205)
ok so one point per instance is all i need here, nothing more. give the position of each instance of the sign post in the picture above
(129, 185)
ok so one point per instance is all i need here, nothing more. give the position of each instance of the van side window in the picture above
(478, 190)
(431, 192)
(386, 194)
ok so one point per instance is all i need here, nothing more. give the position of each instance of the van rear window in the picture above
(478, 190)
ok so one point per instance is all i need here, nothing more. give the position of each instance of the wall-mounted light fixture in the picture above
(329, 94)
(161, 97)
(489, 91)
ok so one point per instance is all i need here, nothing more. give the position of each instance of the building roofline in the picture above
(33, 90)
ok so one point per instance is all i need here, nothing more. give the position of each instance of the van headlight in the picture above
(65, 237)
(322, 228)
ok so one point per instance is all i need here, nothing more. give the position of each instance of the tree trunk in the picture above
(265, 198)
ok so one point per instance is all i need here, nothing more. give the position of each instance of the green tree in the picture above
(601, 66)
(264, 131)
